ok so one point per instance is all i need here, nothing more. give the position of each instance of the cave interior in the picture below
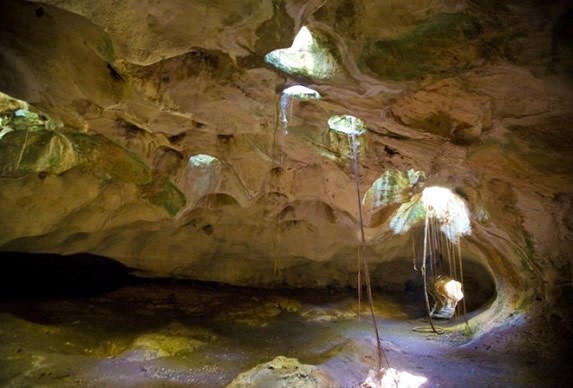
(286, 193)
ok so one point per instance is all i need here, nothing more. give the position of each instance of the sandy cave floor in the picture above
(166, 333)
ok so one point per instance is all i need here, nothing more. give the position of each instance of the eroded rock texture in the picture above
(170, 157)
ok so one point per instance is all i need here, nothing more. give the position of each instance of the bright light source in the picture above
(303, 40)
(449, 209)
(435, 202)
(349, 125)
(447, 293)
(306, 57)
(453, 289)
(392, 378)
(202, 160)
(301, 92)
(347, 136)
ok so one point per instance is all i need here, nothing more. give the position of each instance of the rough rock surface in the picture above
(475, 95)
(282, 372)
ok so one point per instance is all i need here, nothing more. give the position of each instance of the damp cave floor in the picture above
(172, 334)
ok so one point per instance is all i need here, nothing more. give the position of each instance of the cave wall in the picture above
(475, 94)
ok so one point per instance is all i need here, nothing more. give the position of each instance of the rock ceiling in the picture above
(170, 159)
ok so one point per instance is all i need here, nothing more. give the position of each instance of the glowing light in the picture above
(453, 289)
(450, 210)
(301, 92)
(305, 57)
(298, 92)
(392, 378)
(435, 202)
(447, 293)
(202, 160)
(349, 125)
(303, 40)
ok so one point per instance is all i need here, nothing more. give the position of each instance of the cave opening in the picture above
(308, 56)
(399, 278)
(41, 275)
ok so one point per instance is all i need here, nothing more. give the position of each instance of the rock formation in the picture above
(153, 136)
